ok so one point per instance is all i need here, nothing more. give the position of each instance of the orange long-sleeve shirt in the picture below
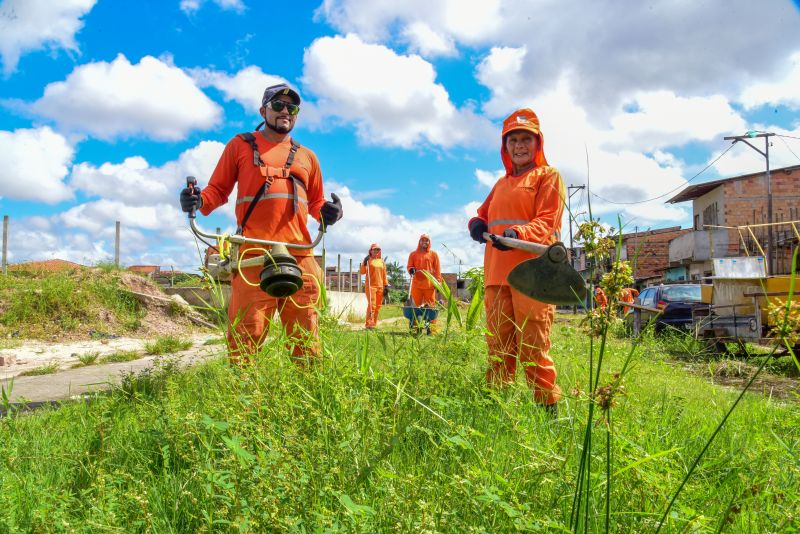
(424, 261)
(274, 218)
(377, 273)
(531, 204)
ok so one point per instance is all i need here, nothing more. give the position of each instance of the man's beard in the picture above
(279, 129)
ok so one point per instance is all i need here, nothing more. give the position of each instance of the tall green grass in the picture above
(391, 433)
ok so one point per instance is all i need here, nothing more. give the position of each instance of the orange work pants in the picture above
(422, 296)
(519, 328)
(374, 301)
(251, 310)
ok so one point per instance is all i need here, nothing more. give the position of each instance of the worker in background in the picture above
(526, 203)
(294, 179)
(375, 284)
(628, 296)
(600, 298)
(423, 292)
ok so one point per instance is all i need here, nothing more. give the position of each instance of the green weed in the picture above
(47, 369)
(88, 358)
(167, 345)
(121, 356)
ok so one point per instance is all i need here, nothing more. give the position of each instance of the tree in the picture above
(396, 274)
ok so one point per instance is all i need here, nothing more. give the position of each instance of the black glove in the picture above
(411, 271)
(366, 260)
(191, 199)
(331, 211)
(476, 229)
(508, 233)
(385, 290)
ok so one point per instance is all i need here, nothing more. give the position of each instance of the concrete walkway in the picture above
(72, 383)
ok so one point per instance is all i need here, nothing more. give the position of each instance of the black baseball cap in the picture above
(281, 89)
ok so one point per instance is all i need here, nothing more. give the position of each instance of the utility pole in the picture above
(458, 260)
(571, 190)
(744, 138)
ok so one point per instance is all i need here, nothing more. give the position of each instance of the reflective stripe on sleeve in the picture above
(498, 222)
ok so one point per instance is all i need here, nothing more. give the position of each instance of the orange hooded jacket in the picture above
(424, 261)
(530, 204)
(376, 277)
(282, 213)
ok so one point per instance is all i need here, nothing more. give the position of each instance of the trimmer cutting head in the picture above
(549, 278)
(281, 277)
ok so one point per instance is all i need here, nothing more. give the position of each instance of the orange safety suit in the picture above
(423, 292)
(374, 283)
(519, 327)
(628, 296)
(600, 298)
(280, 215)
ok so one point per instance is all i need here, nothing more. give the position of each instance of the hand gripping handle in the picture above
(191, 183)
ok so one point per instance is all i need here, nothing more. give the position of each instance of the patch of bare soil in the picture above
(736, 374)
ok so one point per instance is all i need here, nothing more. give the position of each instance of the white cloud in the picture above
(662, 118)
(391, 99)
(33, 165)
(783, 89)
(742, 159)
(488, 178)
(423, 40)
(136, 184)
(246, 87)
(152, 98)
(191, 6)
(28, 25)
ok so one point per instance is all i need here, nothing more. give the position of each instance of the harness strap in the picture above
(268, 177)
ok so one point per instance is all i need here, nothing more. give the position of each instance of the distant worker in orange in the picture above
(375, 284)
(423, 292)
(628, 296)
(527, 203)
(600, 298)
(279, 184)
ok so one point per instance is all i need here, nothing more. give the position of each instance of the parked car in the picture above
(675, 302)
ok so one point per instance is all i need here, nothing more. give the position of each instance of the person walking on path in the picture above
(526, 203)
(376, 284)
(285, 181)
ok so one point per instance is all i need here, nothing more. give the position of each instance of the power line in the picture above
(787, 136)
(668, 192)
(788, 147)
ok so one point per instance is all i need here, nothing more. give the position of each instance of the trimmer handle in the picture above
(191, 184)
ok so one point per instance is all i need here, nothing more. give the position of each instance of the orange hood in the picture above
(522, 119)
(375, 245)
(419, 243)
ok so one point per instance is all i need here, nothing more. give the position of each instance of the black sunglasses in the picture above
(278, 105)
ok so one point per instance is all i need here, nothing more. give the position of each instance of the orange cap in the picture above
(522, 119)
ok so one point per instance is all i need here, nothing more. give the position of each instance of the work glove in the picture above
(191, 199)
(366, 260)
(411, 271)
(331, 211)
(508, 233)
(476, 229)
(385, 290)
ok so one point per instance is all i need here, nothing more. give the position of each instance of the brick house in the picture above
(736, 201)
(648, 252)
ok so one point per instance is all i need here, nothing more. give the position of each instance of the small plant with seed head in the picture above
(787, 325)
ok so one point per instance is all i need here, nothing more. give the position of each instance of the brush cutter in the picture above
(548, 278)
(280, 276)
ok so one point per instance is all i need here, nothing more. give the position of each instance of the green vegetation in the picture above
(121, 356)
(397, 433)
(89, 358)
(221, 340)
(47, 369)
(388, 311)
(167, 345)
(40, 305)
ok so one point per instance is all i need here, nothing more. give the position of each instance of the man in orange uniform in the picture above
(423, 292)
(375, 284)
(628, 296)
(526, 203)
(600, 298)
(293, 190)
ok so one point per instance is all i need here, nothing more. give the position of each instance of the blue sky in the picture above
(106, 105)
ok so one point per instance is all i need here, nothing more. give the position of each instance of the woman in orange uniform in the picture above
(423, 292)
(600, 298)
(375, 283)
(527, 203)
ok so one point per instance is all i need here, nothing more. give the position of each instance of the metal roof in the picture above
(695, 191)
